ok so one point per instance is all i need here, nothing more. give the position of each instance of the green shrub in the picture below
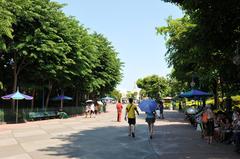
(1, 116)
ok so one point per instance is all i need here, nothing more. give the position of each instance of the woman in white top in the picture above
(92, 109)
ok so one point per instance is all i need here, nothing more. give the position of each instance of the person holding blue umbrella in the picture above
(150, 119)
(149, 107)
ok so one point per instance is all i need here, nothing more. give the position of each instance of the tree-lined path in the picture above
(104, 138)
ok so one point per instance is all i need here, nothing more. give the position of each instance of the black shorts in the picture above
(210, 127)
(131, 121)
(150, 120)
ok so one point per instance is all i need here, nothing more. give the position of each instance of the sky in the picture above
(130, 26)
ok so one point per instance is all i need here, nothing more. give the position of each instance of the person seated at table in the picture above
(236, 131)
(218, 125)
(227, 131)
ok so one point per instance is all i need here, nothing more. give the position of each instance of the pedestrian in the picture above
(161, 107)
(180, 107)
(150, 119)
(204, 122)
(210, 124)
(92, 109)
(87, 109)
(119, 110)
(158, 111)
(96, 107)
(130, 113)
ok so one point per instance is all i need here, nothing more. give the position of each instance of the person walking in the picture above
(92, 110)
(87, 109)
(130, 113)
(119, 110)
(150, 119)
(161, 107)
(96, 108)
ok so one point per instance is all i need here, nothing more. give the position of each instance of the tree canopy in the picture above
(153, 86)
(41, 48)
(203, 43)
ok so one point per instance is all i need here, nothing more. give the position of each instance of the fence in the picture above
(9, 116)
(1, 116)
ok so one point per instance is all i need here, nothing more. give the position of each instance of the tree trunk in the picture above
(215, 93)
(49, 93)
(222, 91)
(77, 97)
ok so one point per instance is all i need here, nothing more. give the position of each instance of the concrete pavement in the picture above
(104, 138)
(78, 137)
(177, 139)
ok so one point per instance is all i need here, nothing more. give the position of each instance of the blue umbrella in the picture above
(194, 93)
(148, 105)
(17, 96)
(61, 98)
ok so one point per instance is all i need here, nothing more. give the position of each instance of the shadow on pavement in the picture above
(105, 143)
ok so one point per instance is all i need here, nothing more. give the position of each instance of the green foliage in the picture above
(116, 94)
(106, 73)
(175, 87)
(38, 41)
(132, 94)
(203, 44)
(153, 86)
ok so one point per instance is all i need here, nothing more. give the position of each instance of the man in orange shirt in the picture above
(119, 110)
(204, 122)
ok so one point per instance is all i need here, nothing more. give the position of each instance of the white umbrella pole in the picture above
(17, 113)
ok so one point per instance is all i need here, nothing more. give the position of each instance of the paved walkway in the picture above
(177, 139)
(104, 138)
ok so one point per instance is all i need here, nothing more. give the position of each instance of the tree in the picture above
(116, 94)
(54, 51)
(206, 48)
(106, 73)
(154, 86)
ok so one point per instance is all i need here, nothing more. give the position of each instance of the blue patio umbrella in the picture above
(194, 93)
(61, 98)
(148, 105)
(17, 96)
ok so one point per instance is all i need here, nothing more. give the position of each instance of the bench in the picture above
(41, 115)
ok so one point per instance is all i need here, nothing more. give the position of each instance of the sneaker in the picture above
(133, 135)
